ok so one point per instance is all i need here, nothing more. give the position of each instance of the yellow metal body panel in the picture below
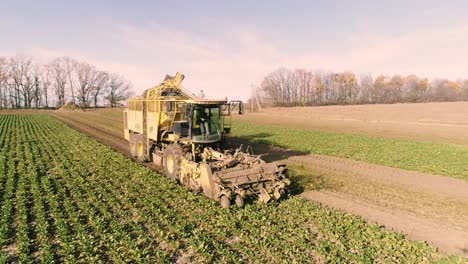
(135, 121)
(162, 108)
(173, 137)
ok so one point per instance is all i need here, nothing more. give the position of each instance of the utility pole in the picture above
(252, 99)
(258, 103)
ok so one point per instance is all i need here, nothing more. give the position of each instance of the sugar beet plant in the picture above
(67, 198)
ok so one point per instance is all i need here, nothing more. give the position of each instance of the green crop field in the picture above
(441, 159)
(67, 198)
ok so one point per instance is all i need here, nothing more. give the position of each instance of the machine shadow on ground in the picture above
(261, 147)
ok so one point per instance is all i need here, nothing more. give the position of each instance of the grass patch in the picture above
(305, 179)
(441, 159)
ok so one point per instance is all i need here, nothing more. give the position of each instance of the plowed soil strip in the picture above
(105, 136)
(447, 239)
(439, 185)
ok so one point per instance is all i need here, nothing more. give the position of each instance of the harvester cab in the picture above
(182, 133)
(205, 123)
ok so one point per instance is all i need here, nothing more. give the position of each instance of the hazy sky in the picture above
(225, 46)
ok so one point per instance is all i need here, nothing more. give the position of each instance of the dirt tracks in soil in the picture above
(423, 206)
(426, 207)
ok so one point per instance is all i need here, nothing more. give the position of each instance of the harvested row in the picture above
(66, 197)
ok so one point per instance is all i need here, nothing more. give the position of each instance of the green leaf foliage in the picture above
(440, 159)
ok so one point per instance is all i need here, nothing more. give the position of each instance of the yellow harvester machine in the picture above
(184, 134)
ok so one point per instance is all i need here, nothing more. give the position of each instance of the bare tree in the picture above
(445, 90)
(410, 91)
(100, 82)
(463, 84)
(305, 82)
(46, 83)
(366, 83)
(21, 74)
(344, 85)
(59, 75)
(70, 65)
(271, 84)
(16, 76)
(117, 90)
(395, 89)
(3, 83)
(37, 83)
(25, 83)
(91, 82)
(301, 87)
(317, 93)
(86, 75)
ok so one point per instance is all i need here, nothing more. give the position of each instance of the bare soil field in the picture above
(426, 122)
(424, 206)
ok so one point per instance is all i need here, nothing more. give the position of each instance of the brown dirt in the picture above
(70, 106)
(107, 137)
(422, 182)
(427, 122)
(424, 206)
(444, 237)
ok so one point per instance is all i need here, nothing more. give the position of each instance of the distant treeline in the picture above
(285, 87)
(25, 83)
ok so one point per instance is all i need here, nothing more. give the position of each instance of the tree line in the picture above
(286, 87)
(25, 83)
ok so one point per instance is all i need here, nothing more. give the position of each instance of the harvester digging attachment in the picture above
(227, 177)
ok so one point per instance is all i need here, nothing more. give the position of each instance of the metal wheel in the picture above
(133, 146)
(172, 155)
(225, 202)
(239, 201)
(170, 164)
(139, 149)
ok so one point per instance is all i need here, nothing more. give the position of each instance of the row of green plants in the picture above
(68, 198)
(440, 159)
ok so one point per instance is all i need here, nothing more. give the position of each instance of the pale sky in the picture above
(223, 47)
